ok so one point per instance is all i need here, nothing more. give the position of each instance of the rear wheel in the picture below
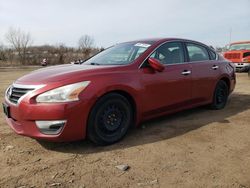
(220, 95)
(109, 119)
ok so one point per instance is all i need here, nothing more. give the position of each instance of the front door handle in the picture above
(186, 72)
(215, 67)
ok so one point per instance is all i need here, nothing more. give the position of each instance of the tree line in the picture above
(20, 50)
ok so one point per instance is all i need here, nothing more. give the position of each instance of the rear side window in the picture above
(197, 52)
(169, 53)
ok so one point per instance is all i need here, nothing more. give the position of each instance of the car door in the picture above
(168, 90)
(204, 72)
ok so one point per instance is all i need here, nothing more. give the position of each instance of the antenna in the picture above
(230, 35)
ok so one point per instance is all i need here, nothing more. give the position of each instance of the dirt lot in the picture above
(195, 148)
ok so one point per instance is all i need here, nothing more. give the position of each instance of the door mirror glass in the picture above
(155, 64)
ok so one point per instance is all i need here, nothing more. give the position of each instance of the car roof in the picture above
(159, 40)
(240, 42)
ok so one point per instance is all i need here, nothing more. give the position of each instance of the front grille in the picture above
(232, 55)
(15, 93)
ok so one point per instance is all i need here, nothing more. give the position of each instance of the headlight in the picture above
(63, 94)
(246, 60)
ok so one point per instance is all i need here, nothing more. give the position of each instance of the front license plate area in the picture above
(6, 110)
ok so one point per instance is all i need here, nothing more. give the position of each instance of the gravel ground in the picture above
(194, 148)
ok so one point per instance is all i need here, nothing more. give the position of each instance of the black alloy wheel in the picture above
(110, 119)
(220, 95)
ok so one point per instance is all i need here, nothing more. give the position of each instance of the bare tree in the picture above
(20, 41)
(2, 52)
(61, 51)
(85, 43)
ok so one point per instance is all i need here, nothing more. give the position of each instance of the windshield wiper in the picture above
(93, 63)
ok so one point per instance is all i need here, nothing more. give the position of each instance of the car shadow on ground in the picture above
(161, 128)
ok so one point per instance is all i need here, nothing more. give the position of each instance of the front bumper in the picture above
(242, 67)
(23, 119)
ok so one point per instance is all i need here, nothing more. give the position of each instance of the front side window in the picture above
(169, 53)
(120, 54)
(197, 52)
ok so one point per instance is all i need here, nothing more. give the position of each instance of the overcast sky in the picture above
(113, 21)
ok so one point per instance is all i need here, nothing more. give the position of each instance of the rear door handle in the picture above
(186, 72)
(215, 67)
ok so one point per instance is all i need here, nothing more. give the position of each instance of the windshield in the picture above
(245, 46)
(120, 54)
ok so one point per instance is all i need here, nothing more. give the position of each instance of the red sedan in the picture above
(118, 88)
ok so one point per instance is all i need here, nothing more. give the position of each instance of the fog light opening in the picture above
(50, 127)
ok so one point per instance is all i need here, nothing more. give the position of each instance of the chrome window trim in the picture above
(35, 87)
(186, 62)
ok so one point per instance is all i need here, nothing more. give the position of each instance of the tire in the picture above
(220, 96)
(109, 119)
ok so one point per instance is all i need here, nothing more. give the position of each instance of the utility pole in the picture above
(230, 35)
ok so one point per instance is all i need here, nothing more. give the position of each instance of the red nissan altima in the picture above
(118, 88)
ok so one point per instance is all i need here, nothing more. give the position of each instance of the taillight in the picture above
(232, 72)
(232, 65)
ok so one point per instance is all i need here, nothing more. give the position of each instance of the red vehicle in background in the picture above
(239, 54)
(120, 87)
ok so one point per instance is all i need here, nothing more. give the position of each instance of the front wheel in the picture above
(220, 95)
(109, 119)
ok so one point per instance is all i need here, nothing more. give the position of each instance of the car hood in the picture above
(59, 73)
(236, 51)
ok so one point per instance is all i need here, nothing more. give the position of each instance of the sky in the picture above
(113, 21)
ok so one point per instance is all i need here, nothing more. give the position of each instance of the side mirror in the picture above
(155, 64)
